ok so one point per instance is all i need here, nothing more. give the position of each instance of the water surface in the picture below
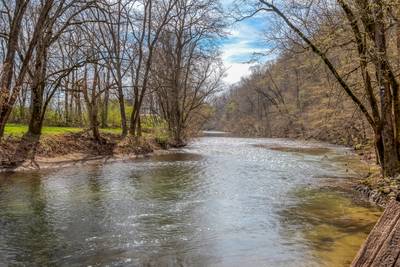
(219, 202)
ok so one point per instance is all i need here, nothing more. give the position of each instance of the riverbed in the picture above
(221, 201)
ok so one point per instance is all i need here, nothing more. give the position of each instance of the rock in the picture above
(394, 187)
(386, 190)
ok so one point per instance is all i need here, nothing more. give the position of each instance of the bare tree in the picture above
(373, 18)
(10, 90)
(64, 14)
(114, 38)
(187, 73)
(153, 16)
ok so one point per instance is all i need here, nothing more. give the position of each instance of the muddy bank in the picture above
(28, 153)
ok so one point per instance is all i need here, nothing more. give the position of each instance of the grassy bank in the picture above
(18, 130)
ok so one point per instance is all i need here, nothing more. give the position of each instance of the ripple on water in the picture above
(221, 202)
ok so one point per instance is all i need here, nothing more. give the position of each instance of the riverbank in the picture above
(69, 149)
(206, 197)
(375, 188)
(78, 148)
(366, 182)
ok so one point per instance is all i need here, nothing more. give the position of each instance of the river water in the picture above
(219, 202)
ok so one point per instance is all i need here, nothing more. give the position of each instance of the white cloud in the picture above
(238, 51)
(236, 71)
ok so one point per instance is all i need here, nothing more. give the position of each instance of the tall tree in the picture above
(187, 69)
(373, 16)
(153, 18)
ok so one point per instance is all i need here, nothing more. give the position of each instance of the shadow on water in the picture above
(313, 151)
(176, 157)
(147, 217)
(224, 203)
(169, 226)
(25, 151)
(26, 224)
(332, 224)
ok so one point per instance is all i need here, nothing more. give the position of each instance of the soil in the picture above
(32, 152)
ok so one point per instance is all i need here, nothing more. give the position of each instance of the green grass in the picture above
(21, 129)
(18, 130)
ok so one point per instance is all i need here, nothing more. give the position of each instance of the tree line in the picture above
(78, 58)
(338, 48)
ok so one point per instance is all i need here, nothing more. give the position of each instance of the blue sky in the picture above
(245, 38)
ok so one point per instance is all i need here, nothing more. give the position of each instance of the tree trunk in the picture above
(79, 110)
(35, 122)
(135, 116)
(121, 101)
(104, 112)
(396, 90)
(8, 64)
(398, 35)
(94, 124)
(37, 91)
(135, 122)
(391, 161)
(3, 120)
(92, 103)
(379, 148)
(66, 103)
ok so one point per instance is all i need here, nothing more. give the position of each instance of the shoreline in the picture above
(125, 149)
(77, 159)
(367, 184)
(59, 151)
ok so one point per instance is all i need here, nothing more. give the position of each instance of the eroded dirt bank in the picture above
(27, 153)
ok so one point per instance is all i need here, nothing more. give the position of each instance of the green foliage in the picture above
(231, 107)
(53, 118)
(114, 115)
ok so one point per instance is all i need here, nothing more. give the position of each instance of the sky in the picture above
(238, 49)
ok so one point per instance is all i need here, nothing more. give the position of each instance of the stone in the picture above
(394, 187)
(386, 190)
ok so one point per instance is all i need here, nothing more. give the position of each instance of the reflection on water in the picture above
(331, 224)
(220, 202)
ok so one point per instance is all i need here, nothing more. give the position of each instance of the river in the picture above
(221, 201)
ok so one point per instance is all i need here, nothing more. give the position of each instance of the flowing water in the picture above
(219, 202)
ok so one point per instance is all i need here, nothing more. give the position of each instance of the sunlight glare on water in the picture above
(219, 202)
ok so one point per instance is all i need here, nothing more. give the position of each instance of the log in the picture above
(382, 247)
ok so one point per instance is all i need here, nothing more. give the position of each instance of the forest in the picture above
(200, 133)
(133, 64)
(335, 77)
(100, 64)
